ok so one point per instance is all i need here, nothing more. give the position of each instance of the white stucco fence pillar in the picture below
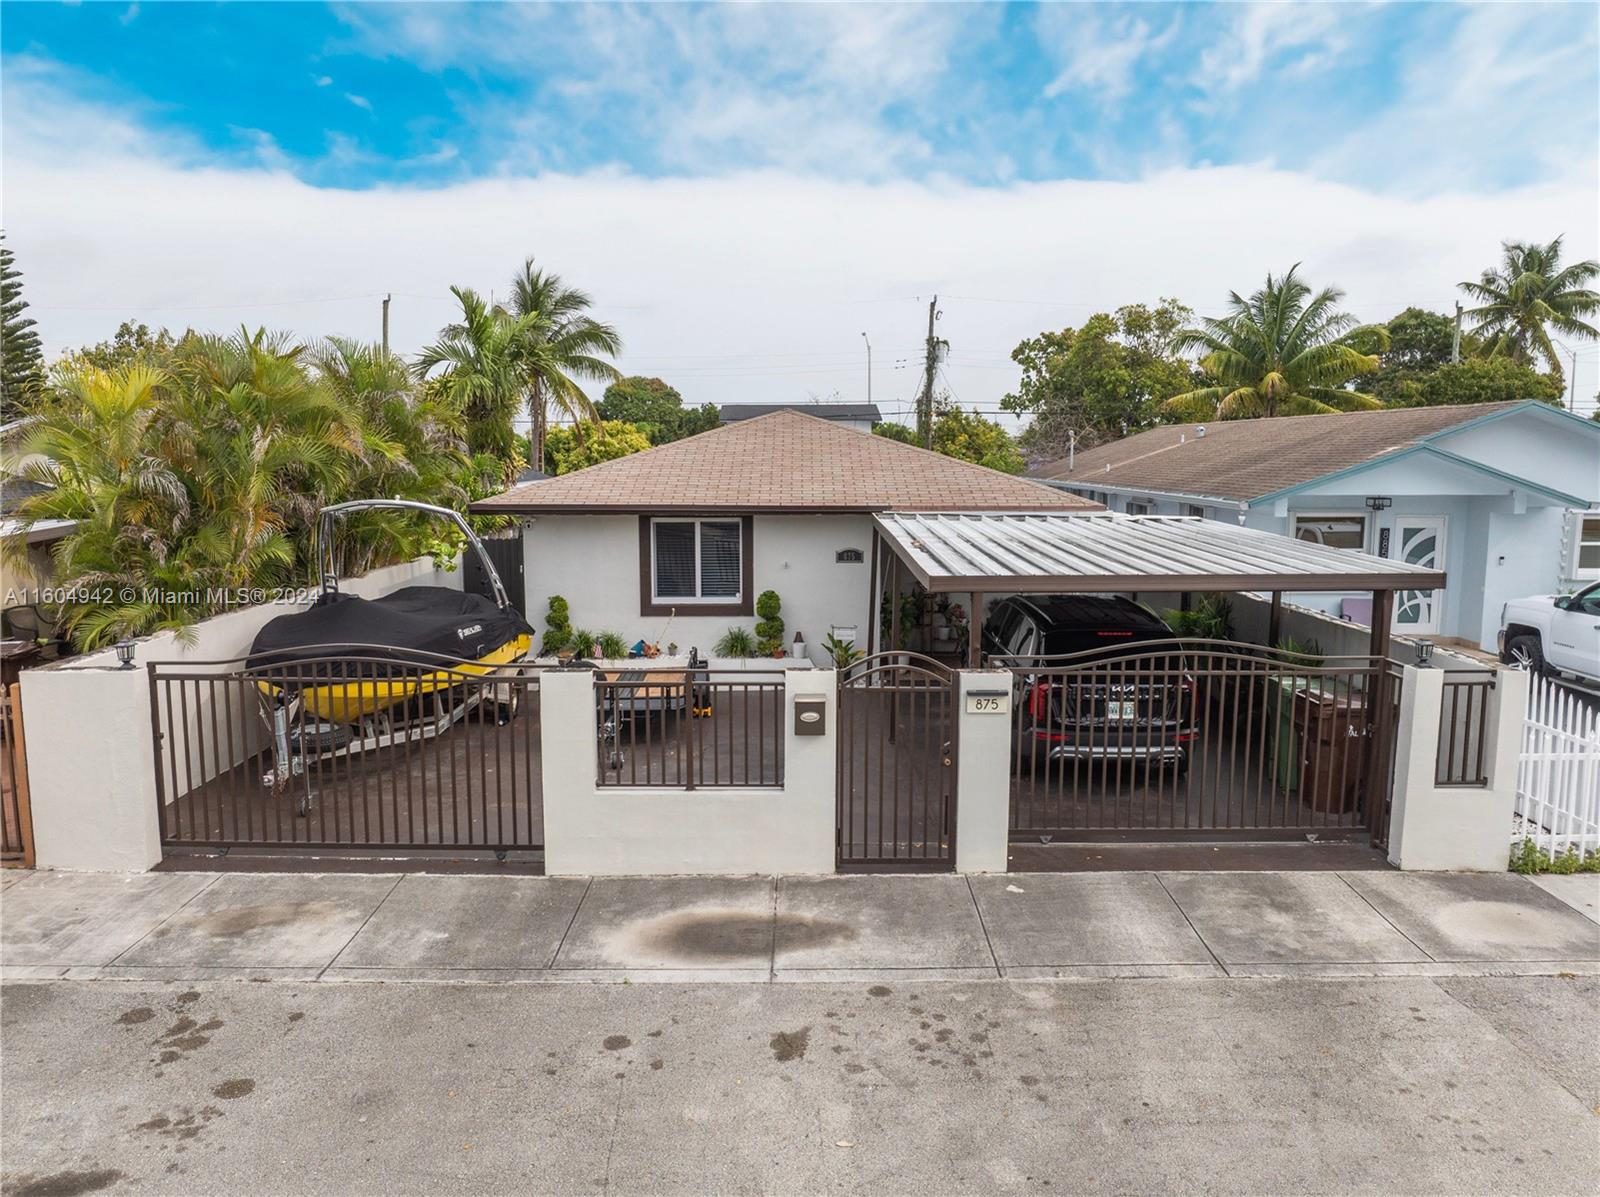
(589, 830)
(983, 772)
(1457, 827)
(91, 768)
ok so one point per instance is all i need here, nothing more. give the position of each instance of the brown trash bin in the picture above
(1331, 731)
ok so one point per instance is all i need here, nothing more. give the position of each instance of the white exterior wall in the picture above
(91, 765)
(1434, 827)
(591, 831)
(983, 778)
(593, 561)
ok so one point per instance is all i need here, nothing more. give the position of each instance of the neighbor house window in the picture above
(1194, 510)
(1586, 555)
(702, 564)
(1335, 531)
(1139, 506)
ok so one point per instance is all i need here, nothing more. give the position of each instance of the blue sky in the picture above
(354, 95)
(747, 189)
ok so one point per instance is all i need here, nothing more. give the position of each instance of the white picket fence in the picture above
(1558, 777)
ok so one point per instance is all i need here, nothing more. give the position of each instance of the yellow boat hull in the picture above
(349, 702)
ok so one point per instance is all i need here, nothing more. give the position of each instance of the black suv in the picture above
(1127, 698)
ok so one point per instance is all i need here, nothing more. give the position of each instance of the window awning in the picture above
(1041, 554)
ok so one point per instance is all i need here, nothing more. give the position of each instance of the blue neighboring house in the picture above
(1504, 497)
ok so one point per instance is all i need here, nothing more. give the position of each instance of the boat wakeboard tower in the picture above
(349, 674)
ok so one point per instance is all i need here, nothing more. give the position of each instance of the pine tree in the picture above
(21, 361)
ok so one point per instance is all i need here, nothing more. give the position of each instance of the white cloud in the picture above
(359, 101)
(1289, 38)
(1098, 52)
(324, 80)
(129, 14)
(753, 286)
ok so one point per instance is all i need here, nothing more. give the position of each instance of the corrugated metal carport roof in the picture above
(992, 552)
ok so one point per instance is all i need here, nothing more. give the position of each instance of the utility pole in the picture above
(1572, 375)
(386, 299)
(1455, 339)
(864, 337)
(1072, 449)
(930, 362)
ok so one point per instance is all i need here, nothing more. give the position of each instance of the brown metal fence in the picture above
(1195, 737)
(1464, 707)
(685, 730)
(348, 751)
(897, 764)
(16, 819)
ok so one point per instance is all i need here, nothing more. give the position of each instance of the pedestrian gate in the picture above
(897, 765)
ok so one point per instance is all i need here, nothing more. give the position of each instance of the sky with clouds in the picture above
(746, 189)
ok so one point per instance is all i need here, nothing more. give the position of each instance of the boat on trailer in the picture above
(350, 675)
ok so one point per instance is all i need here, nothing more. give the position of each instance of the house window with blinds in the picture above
(697, 561)
(1586, 550)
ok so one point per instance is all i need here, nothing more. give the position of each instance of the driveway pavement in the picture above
(340, 927)
(1416, 1085)
(1215, 1033)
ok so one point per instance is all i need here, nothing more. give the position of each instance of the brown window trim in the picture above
(747, 565)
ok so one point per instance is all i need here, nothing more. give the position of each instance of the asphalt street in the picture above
(1446, 1085)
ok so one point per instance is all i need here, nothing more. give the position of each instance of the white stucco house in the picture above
(673, 545)
(1503, 497)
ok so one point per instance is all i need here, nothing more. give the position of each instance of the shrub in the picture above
(582, 643)
(1528, 857)
(843, 652)
(611, 645)
(559, 622)
(769, 629)
(735, 642)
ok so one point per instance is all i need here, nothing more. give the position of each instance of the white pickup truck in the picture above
(1554, 633)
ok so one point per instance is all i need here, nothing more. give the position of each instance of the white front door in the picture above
(1418, 540)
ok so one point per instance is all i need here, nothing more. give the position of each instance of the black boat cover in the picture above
(431, 620)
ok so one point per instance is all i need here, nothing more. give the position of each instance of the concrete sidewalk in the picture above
(421, 927)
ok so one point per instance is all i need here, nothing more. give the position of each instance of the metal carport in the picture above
(1002, 553)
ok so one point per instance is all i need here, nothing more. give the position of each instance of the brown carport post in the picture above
(1378, 717)
(1275, 619)
(975, 633)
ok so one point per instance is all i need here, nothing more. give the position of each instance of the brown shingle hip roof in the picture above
(1246, 459)
(785, 461)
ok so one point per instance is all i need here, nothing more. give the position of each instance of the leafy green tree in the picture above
(965, 435)
(206, 474)
(572, 448)
(558, 343)
(483, 375)
(1101, 381)
(1473, 380)
(656, 408)
(1529, 294)
(1281, 352)
(130, 344)
(21, 360)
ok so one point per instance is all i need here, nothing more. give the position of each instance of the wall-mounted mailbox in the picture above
(810, 714)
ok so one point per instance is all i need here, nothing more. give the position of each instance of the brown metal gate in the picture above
(897, 765)
(347, 751)
(1200, 739)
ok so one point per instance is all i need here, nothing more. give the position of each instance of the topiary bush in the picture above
(558, 621)
(769, 628)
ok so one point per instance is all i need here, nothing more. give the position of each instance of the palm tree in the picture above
(1529, 293)
(483, 354)
(562, 345)
(1282, 352)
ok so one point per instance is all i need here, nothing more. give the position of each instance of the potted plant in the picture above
(558, 622)
(583, 643)
(735, 642)
(769, 629)
(844, 652)
(612, 647)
